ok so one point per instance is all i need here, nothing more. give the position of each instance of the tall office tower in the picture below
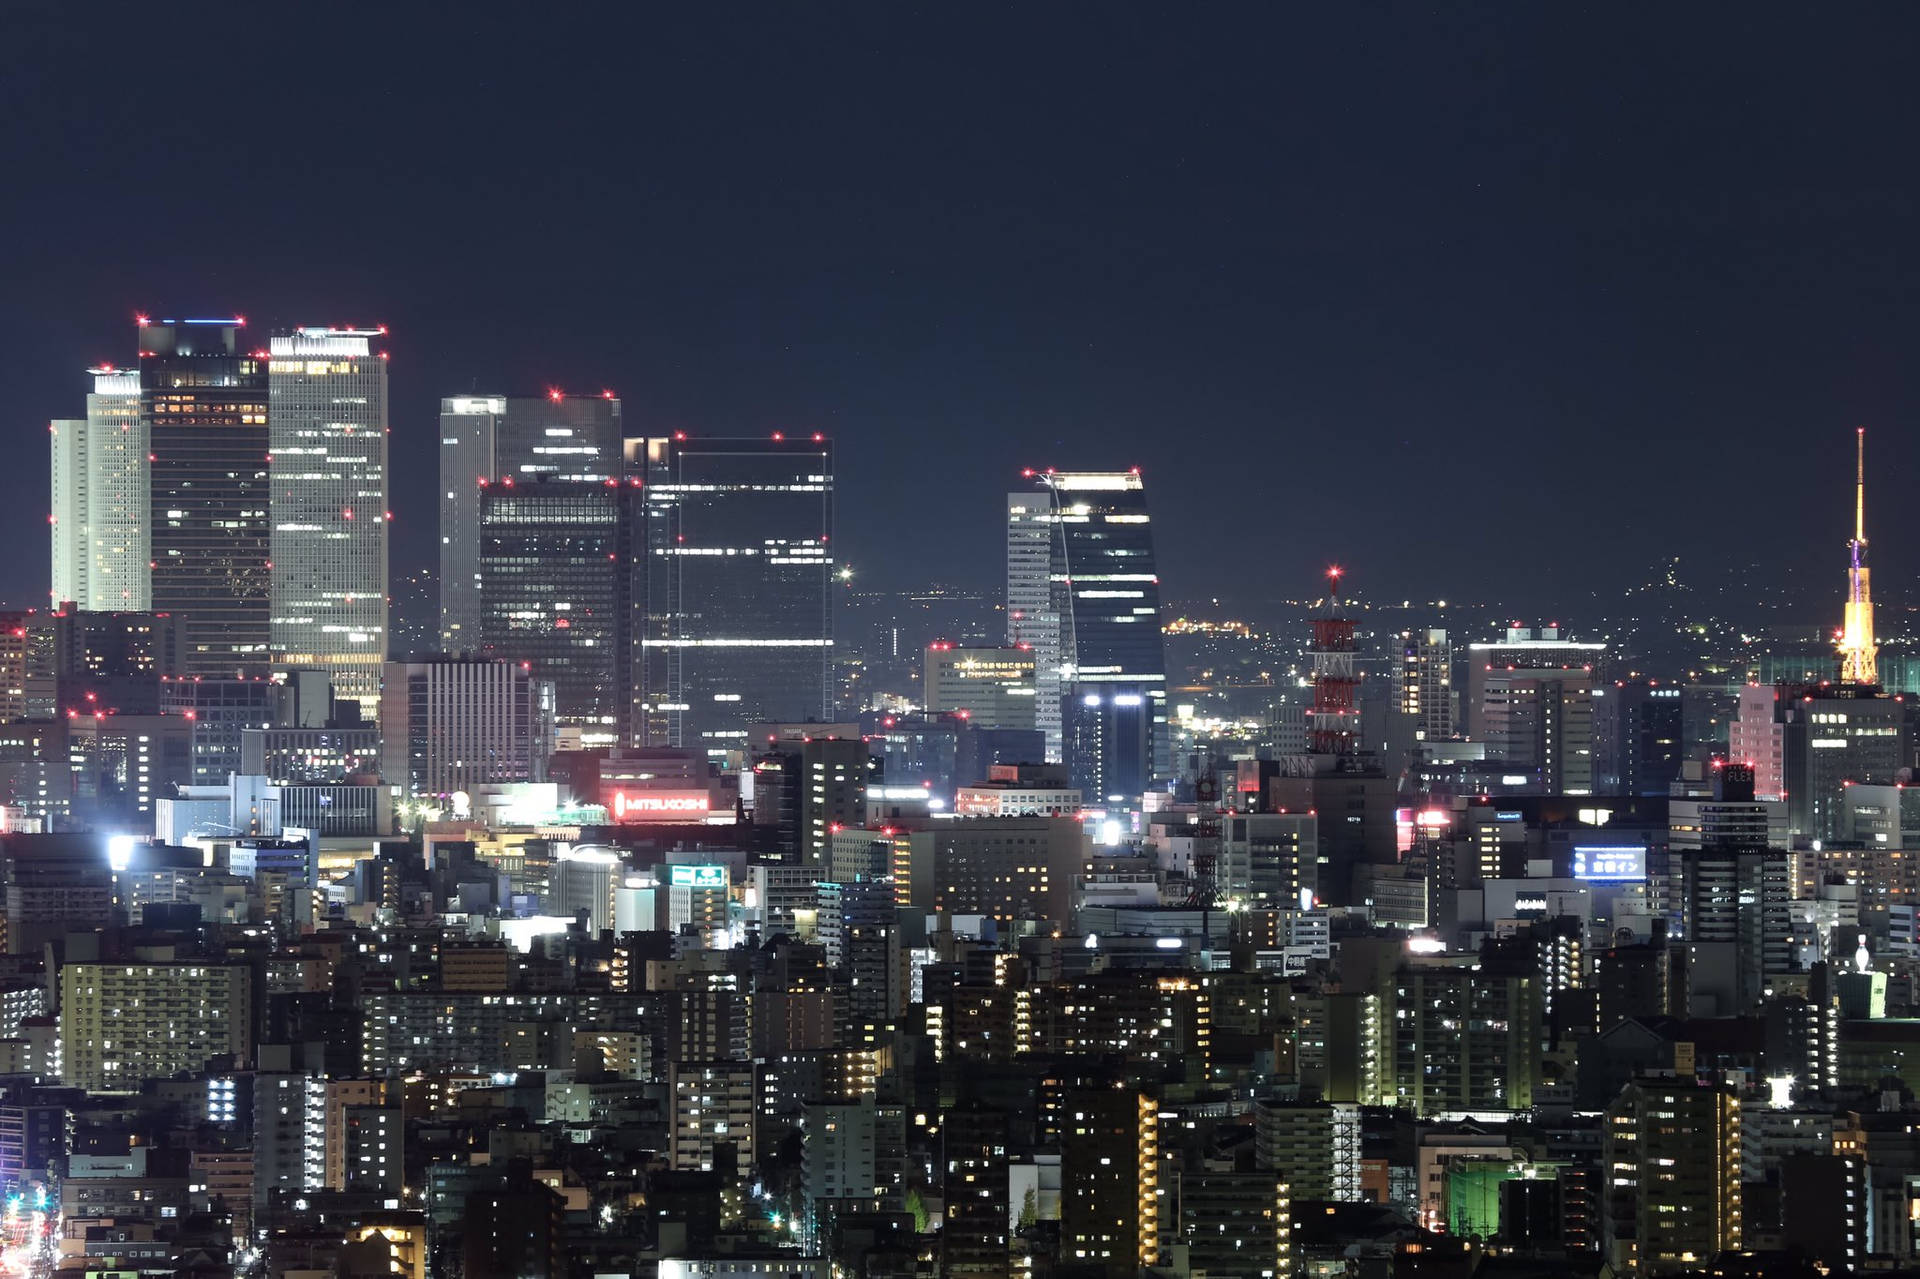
(204, 401)
(1104, 591)
(1671, 1148)
(484, 438)
(987, 687)
(327, 426)
(1643, 725)
(557, 590)
(1530, 699)
(101, 531)
(1033, 612)
(739, 616)
(451, 724)
(1858, 652)
(1426, 683)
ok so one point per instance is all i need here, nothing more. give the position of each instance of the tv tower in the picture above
(1334, 718)
(1858, 652)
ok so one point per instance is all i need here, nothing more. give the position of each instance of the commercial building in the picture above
(1089, 608)
(1012, 868)
(203, 397)
(1807, 743)
(487, 438)
(739, 616)
(987, 687)
(327, 431)
(100, 520)
(557, 588)
(1530, 698)
(451, 724)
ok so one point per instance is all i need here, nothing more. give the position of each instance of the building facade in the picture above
(100, 520)
(739, 616)
(485, 439)
(327, 427)
(203, 398)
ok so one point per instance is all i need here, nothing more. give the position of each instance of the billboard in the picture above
(1609, 863)
(697, 876)
(660, 806)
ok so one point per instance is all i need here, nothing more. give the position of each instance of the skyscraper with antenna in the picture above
(1858, 652)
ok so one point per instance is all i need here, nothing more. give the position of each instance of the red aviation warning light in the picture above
(555, 394)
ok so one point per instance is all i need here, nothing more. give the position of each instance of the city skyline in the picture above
(1098, 278)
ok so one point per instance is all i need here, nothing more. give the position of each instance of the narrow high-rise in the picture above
(485, 438)
(1858, 652)
(327, 415)
(203, 400)
(739, 615)
(100, 517)
(1090, 608)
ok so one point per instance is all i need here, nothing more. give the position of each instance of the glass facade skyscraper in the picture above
(327, 414)
(496, 437)
(203, 397)
(100, 515)
(739, 616)
(1096, 626)
(556, 592)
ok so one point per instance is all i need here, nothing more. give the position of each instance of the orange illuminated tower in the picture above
(1858, 652)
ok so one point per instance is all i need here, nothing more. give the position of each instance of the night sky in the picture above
(1492, 301)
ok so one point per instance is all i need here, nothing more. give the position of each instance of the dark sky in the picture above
(1479, 300)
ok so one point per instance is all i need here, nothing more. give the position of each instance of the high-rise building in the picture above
(557, 589)
(127, 1023)
(1530, 699)
(1109, 1181)
(1426, 683)
(1645, 723)
(739, 616)
(1808, 743)
(327, 427)
(486, 438)
(203, 398)
(1236, 1223)
(987, 687)
(1096, 638)
(450, 724)
(101, 523)
(1671, 1148)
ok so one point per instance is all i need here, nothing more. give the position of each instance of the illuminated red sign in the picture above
(656, 805)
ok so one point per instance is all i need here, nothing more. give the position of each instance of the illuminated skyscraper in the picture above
(496, 437)
(739, 617)
(1426, 683)
(100, 516)
(203, 398)
(1033, 613)
(1095, 630)
(327, 414)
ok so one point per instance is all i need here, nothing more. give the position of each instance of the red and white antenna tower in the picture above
(1333, 722)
